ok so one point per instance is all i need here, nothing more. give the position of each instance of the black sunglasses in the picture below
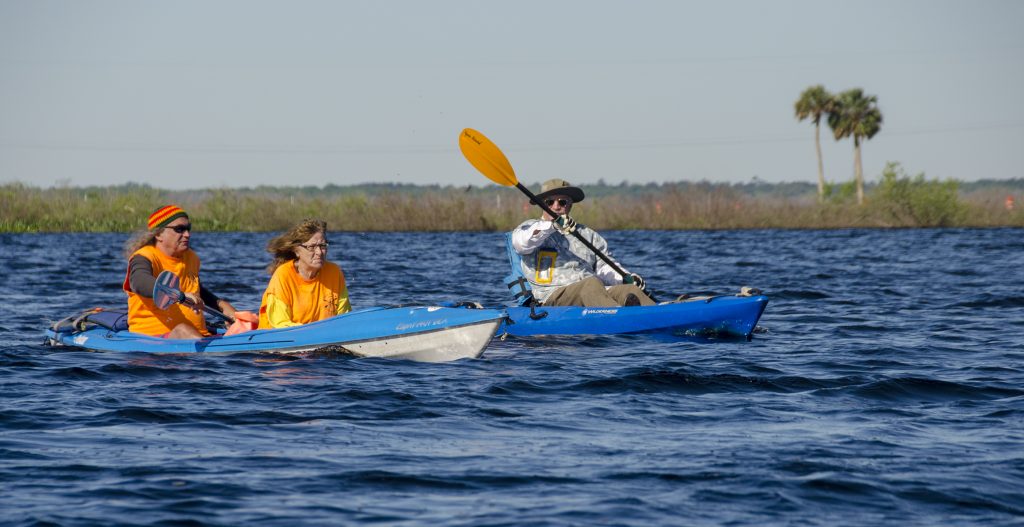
(563, 202)
(181, 228)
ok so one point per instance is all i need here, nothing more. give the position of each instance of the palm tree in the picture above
(855, 115)
(813, 103)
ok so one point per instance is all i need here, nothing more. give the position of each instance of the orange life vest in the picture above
(143, 315)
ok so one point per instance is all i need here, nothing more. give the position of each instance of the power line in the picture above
(447, 149)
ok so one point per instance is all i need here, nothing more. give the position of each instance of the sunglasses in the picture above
(181, 228)
(562, 202)
(312, 247)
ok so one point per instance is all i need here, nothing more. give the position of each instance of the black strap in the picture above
(521, 283)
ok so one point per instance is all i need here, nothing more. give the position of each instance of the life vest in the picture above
(143, 315)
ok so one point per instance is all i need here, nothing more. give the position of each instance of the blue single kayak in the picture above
(714, 316)
(429, 334)
(701, 316)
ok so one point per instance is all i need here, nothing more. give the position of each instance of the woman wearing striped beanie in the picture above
(165, 246)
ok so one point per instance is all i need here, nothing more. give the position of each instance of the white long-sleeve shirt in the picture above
(575, 260)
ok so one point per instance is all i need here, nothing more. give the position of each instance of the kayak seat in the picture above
(114, 319)
(517, 284)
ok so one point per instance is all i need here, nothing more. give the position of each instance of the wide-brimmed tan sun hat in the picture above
(554, 187)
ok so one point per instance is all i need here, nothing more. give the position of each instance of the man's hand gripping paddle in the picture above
(166, 293)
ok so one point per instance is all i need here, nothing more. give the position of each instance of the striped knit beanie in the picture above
(164, 215)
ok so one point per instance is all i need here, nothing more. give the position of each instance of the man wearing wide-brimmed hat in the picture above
(561, 270)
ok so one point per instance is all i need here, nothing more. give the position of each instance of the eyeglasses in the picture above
(181, 228)
(564, 202)
(312, 247)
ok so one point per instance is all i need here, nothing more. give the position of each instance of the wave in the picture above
(922, 389)
(992, 301)
(458, 481)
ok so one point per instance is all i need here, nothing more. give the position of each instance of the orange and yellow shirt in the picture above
(291, 300)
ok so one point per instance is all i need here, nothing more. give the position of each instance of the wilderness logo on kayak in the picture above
(600, 312)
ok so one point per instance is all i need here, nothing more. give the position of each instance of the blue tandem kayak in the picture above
(715, 316)
(429, 334)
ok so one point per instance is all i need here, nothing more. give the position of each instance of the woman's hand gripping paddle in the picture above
(166, 293)
(486, 157)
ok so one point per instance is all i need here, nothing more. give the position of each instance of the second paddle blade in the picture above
(165, 290)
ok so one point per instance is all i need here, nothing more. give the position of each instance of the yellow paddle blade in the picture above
(486, 157)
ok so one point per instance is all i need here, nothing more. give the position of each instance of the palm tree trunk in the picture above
(858, 170)
(821, 167)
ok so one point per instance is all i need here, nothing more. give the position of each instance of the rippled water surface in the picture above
(885, 386)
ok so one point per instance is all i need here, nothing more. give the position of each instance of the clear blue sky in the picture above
(207, 93)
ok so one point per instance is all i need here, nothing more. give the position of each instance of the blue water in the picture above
(884, 386)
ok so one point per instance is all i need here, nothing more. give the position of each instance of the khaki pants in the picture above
(590, 292)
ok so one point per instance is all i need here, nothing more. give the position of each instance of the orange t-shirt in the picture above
(143, 315)
(291, 300)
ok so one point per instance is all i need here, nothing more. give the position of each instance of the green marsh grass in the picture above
(897, 200)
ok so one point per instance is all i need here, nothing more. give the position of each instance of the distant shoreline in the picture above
(386, 208)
